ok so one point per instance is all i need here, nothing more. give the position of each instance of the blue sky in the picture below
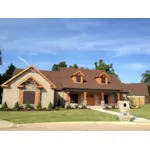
(43, 42)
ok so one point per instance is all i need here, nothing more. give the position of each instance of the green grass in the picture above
(143, 112)
(55, 116)
(116, 110)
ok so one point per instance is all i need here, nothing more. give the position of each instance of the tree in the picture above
(84, 68)
(0, 57)
(8, 73)
(106, 67)
(74, 66)
(61, 64)
(146, 76)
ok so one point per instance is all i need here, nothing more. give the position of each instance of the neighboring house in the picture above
(138, 93)
(67, 86)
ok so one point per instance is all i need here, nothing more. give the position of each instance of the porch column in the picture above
(67, 99)
(85, 98)
(102, 99)
(109, 99)
(118, 98)
(126, 97)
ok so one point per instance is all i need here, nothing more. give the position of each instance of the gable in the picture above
(30, 69)
(30, 80)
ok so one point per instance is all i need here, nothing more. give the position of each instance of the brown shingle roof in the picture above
(137, 89)
(62, 79)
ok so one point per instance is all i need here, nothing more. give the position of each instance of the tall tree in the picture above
(0, 57)
(8, 73)
(74, 66)
(106, 67)
(57, 66)
(146, 76)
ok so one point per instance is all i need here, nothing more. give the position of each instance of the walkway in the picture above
(136, 119)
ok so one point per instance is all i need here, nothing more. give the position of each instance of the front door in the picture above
(90, 100)
(106, 99)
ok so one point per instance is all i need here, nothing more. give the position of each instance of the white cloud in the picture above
(21, 37)
(23, 60)
(135, 66)
(81, 42)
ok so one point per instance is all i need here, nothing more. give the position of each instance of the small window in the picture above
(103, 79)
(29, 97)
(78, 78)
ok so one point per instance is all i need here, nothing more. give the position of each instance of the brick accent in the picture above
(37, 96)
(20, 97)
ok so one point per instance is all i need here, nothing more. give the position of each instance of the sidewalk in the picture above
(136, 119)
(7, 124)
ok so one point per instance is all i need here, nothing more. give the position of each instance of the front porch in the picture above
(95, 98)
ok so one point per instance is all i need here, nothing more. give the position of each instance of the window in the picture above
(29, 97)
(78, 78)
(103, 79)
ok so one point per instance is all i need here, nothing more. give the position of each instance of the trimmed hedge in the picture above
(16, 107)
(50, 106)
(39, 106)
(4, 107)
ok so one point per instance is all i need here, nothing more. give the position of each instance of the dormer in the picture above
(102, 78)
(77, 77)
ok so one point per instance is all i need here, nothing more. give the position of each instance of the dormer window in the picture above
(78, 79)
(103, 80)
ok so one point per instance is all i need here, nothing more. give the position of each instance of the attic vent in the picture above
(32, 70)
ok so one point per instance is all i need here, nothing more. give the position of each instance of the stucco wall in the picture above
(11, 94)
(60, 97)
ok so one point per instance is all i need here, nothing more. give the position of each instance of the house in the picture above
(68, 86)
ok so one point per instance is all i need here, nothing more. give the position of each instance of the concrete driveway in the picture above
(82, 126)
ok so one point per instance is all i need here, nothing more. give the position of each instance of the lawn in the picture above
(144, 111)
(55, 116)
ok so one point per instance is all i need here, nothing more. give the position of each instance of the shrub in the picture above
(56, 108)
(27, 107)
(137, 107)
(50, 106)
(39, 106)
(83, 107)
(68, 107)
(113, 107)
(131, 103)
(16, 107)
(106, 107)
(76, 106)
(4, 106)
(62, 108)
